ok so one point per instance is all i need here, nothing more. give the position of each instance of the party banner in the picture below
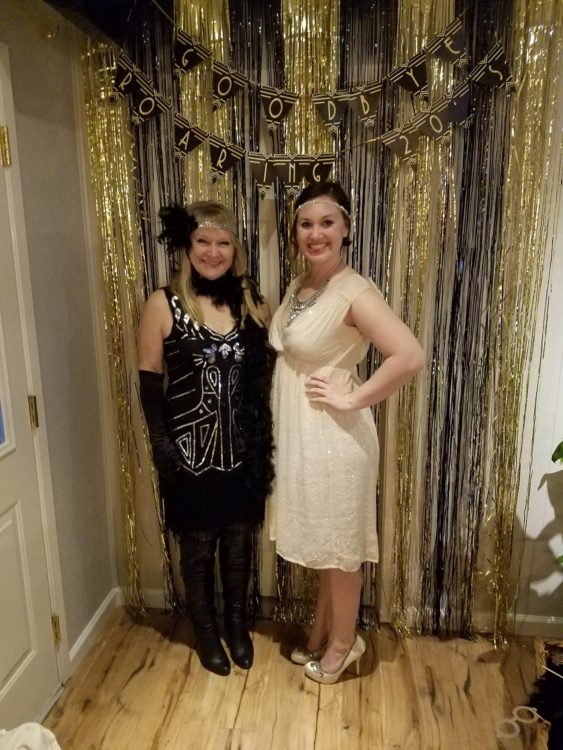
(226, 83)
(320, 168)
(263, 171)
(277, 104)
(223, 155)
(292, 168)
(449, 45)
(493, 69)
(364, 101)
(413, 76)
(459, 104)
(187, 53)
(186, 136)
(332, 108)
(436, 121)
(146, 101)
(404, 141)
(124, 75)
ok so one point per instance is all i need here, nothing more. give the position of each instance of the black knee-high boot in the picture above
(234, 558)
(197, 562)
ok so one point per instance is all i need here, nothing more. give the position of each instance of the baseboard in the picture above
(541, 626)
(86, 639)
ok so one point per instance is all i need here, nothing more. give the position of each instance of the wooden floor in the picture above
(142, 688)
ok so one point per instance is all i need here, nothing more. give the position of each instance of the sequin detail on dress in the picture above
(204, 370)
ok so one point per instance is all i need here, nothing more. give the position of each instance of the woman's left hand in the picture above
(322, 390)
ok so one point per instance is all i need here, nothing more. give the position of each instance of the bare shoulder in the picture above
(156, 301)
(154, 327)
(156, 315)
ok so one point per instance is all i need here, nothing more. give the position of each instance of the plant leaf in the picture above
(558, 453)
(559, 560)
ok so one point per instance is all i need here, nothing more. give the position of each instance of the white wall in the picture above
(540, 600)
(42, 47)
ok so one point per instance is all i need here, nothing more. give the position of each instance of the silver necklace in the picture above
(297, 306)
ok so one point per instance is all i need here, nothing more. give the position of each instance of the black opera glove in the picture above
(166, 457)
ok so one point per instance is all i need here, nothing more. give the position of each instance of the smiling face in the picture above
(211, 252)
(319, 230)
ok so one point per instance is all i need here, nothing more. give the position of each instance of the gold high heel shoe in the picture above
(302, 655)
(314, 671)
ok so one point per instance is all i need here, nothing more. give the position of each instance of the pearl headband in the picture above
(322, 200)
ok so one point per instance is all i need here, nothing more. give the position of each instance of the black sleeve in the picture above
(166, 457)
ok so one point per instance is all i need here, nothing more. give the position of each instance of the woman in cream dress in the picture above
(323, 504)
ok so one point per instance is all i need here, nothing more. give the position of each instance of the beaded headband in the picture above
(322, 200)
(208, 224)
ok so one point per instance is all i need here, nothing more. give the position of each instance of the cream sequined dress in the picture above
(323, 512)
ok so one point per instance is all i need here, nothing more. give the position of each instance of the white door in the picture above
(29, 673)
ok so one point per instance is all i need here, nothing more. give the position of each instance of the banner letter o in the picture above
(224, 92)
(271, 112)
(146, 106)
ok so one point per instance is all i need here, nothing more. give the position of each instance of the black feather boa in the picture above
(256, 415)
(226, 290)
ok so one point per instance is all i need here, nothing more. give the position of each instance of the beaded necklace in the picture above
(297, 306)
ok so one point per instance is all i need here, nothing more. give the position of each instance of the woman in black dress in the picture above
(210, 429)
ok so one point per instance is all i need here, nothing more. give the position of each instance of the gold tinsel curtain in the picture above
(533, 175)
(459, 250)
(422, 227)
(208, 22)
(467, 254)
(111, 152)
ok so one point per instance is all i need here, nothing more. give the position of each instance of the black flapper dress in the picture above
(213, 418)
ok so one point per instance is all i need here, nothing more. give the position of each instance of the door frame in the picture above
(12, 177)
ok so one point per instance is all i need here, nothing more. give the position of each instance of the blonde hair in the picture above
(219, 217)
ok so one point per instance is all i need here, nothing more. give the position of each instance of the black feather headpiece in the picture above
(177, 227)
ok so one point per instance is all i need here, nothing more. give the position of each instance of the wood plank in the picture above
(279, 704)
(400, 704)
(142, 686)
